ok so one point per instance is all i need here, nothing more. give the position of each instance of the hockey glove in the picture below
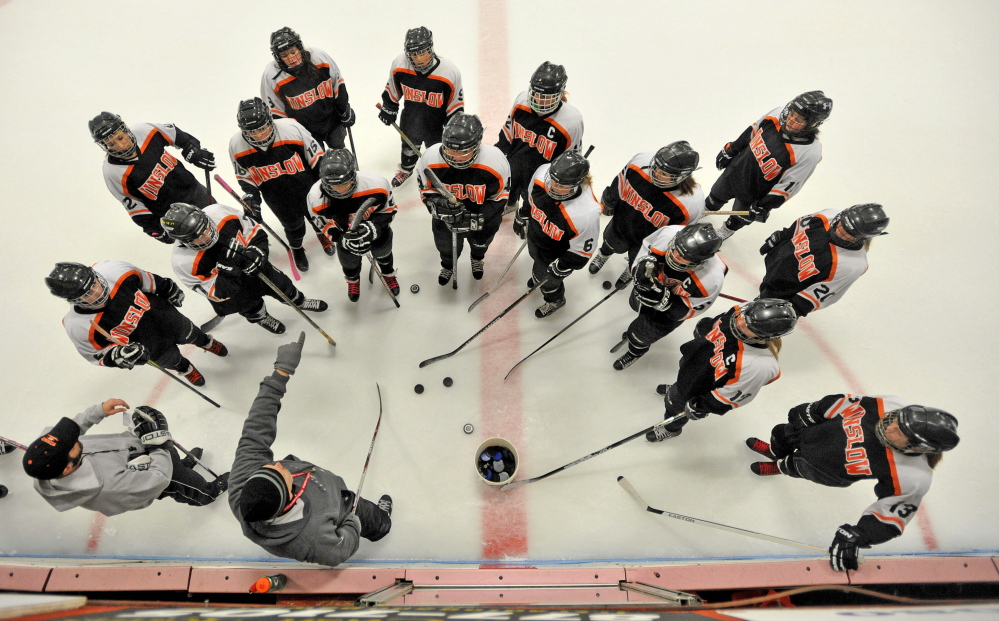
(288, 356)
(772, 242)
(557, 272)
(724, 157)
(520, 224)
(347, 117)
(359, 240)
(252, 202)
(442, 209)
(194, 154)
(695, 411)
(173, 293)
(609, 200)
(127, 356)
(151, 426)
(160, 236)
(844, 551)
(387, 115)
(254, 257)
(6, 448)
(467, 221)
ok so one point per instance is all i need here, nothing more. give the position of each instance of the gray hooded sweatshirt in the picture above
(104, 482)
(318, 535)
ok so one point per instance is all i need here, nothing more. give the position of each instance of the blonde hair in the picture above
(774, 346)
(687, 186)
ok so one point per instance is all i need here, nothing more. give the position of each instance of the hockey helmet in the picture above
(461, 140)
(673, 164)
(694, 244)
(861, 222)
(252, 116)
(75, 282)
(420, 41)
(188, 224)
(813, 107)
(104, 126)
(566, 173)
(547, 86)
(337, 169)
(283, 40)
(928, 430)
(766, 318)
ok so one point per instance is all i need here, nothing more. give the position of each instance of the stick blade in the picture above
(628, 487)
(476, 302)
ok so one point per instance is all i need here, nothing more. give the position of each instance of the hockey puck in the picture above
(607, 284)
(448, 382)
(3, 490)
(418, 388)
(414, 288)
(468, 428)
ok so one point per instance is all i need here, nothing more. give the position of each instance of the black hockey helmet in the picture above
(861, 221)
(568, 170)
(254, 114)
(766, 318)
(461, 140)
(928, 430)
(813, 106)
(107, 124)
(283, 40)
(72, 281)
(695, 244)
(419, 41)
(186, 223)
(337, 168)
(547, 85)
(677, 160)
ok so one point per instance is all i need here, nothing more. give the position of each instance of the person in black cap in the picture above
(115, 473)
(293, 508)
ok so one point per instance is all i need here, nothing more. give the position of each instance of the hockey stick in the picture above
(371, 447)
(12, 443)
(157, 367)
(177, 444)
(557, 334)
(247, 210)
(726, 213)
(732, 297)
(208, 185)
(211, 324)
(454, 258)
(405, 138)
(628, 487)
(500, 279)
(353, 151)
(430, 361)
(639, 434)
(281, 294)
(371, 260)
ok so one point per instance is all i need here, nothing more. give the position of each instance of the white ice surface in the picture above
(913, 128)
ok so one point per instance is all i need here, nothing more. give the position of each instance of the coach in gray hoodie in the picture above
(292, 508)
(112, 473)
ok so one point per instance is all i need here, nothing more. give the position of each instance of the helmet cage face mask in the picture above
(90, 300)
(545, 103)
(330, 182)
(212, 238)
(674, 256)
(459, 158)
(108, 144)
(424, 66)
(664, 177)
(558, 191)
(260, 143)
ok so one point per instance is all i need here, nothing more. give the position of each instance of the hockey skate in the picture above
(313, 306)
(270, 323)
(765, 468)
(195, 453)
(478, 268)
(392, 282)
(328, 246)
(724, 232)
(660, 433)
(220, 485)
(353, 289)
(216, 347)
(598, 262)
(662, 389)
(623, 280)
(626, 360)
(445, 276)
(301, 261)
(193, 375)
(548, 308)
(385, 504)
(759, 446)
(400, 177)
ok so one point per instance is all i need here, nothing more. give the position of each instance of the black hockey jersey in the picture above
(431, 97)
(285, 172)
(334, 216)
(642, 207)
(148, 184)
(540, 139)
(805, 267)
(125, 316)
(483, 187)
(837, 437)
(315, 101)
(770, 169)
(720, 371)
(565, 230)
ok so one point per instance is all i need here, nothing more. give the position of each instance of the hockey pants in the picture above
(478, 240)
(381, 250)
(552, 291)
(419, 133)
(187, 486)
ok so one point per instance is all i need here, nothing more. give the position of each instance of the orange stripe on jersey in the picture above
(641, 173)
(896, 485)
(782, 193)
(887, 519)
(565, 133)
(568, 220)
(196, 263)
(244, 153)
(277, 87)
(790, 152)
(678, 204)
(124, 178)
(522, 107)
(121, 279)
(777, 377)
(489, 170)
(657, 252)
(282, 142)
(150, 137)
(773, 120)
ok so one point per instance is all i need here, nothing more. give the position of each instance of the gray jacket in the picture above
(104, 482)
(318, 536)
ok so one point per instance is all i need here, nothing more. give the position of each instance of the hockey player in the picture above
(143, 175)
(137, 308)
(220, 254)
(305, 84)
(115, 473)
(293, 508)
(542, 125)
(477, 175)
(677, 277)
(815, 260)
(770, 161)
(654, 190)
(277, 160)
(561, 221)
(430, 86)
(335, 204)
(842, 439)
(731, 357)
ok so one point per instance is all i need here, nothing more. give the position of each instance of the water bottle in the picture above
(269, 584)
